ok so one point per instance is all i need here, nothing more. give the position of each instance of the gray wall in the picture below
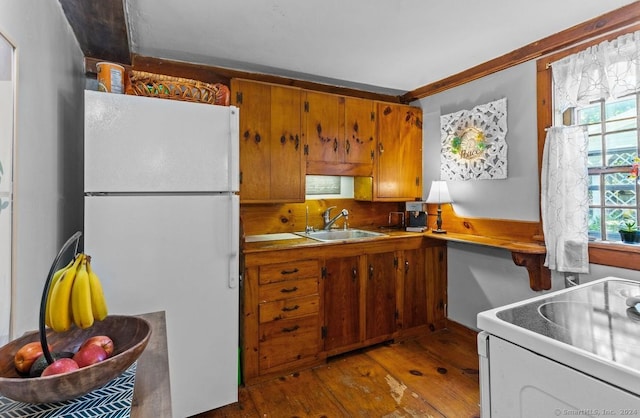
(48, 146)
(481, 278)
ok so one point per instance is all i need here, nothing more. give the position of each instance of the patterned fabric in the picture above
(565, 199)
(608, 70)
(113, 400)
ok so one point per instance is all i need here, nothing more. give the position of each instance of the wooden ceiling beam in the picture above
(100, 28)
(619, 18)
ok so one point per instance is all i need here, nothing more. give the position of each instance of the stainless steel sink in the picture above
(340, 235)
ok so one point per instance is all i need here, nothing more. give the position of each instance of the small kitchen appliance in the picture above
(569, 352)
(416, 216)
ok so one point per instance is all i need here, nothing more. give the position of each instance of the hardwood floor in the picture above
(432, 376)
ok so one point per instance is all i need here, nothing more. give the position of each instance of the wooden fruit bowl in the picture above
(130, 336)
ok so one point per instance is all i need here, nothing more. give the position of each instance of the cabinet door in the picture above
(436, 281)
(398, 172)
(360, 131)
(324, 130)
(254, 102)
(414, 309)
(287, 163)
(341, 303)
(271, 150)
(381, 310)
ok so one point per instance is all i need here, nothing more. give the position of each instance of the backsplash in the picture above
(291, 217)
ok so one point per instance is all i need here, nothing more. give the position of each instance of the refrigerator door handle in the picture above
(234, 201)
(234, 149)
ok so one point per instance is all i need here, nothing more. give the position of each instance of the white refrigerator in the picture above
(162, 227)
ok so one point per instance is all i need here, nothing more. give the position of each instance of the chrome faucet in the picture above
(328, 221)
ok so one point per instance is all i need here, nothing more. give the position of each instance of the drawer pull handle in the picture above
(291, 329)
(295, 270)
(289, 289)
(290, 308)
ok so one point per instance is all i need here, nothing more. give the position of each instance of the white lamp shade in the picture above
(439, 193)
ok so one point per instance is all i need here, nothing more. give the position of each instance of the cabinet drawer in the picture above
(289, 308)
(288, 290)
(288, 271)
(290, 340)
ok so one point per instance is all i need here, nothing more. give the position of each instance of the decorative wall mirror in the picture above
(6, 182)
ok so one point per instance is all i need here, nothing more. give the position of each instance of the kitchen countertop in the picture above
(283, 244)
(152, 391)
(530, 255)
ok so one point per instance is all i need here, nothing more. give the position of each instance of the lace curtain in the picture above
(565, 200)
(610, 69)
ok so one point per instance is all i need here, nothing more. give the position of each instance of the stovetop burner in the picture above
(594, 318)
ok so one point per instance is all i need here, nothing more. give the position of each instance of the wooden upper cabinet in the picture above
(397, 173)
(323, 121)
(360, 133)
(271, 148)
(339, 134)
(399, 169)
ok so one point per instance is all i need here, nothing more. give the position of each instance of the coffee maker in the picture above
(416, 216)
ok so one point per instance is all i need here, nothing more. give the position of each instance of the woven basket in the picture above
(155, 85)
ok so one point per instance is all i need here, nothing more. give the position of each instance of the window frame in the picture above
(608, 253)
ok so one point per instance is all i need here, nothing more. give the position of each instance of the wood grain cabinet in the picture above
(287, 133)
(360, 134)
(397, 171)
(271, 148)
(414, 287)
(300, 306)
(342, 283)
(284, 315)
(381, 305)
(339, 134)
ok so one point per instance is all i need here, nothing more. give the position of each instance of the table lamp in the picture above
(439, 194)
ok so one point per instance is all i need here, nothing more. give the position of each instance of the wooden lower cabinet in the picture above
(381, 309)
(414, 310)
(342, 329)
(301, 305)
(289, 341)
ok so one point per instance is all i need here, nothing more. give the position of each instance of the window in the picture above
(613, 146)
(612, 194)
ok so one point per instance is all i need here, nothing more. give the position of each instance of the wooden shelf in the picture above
(530, 255)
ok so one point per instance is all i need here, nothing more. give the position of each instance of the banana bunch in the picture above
(75, 296)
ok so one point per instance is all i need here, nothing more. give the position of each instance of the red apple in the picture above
(89, 355)
(101, 340)
(26, 355)
(41, 363)
(63, 365)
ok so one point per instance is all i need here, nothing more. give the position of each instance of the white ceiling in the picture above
(385, 46)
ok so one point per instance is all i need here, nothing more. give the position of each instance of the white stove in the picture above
(571, 352)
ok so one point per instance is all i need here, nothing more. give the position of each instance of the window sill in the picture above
(615, 254)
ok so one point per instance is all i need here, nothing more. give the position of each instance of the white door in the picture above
(6, 184)
(143, 144)
(175, 254)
